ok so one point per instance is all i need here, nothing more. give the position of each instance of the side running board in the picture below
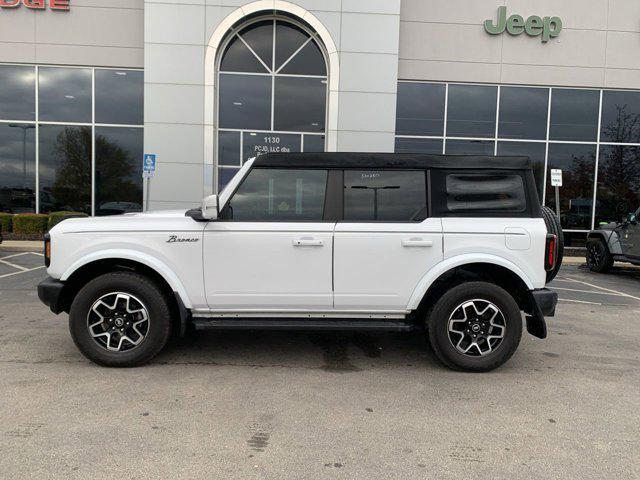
(301, 324)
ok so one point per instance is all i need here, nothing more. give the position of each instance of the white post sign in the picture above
(556, 182)
(148, 171)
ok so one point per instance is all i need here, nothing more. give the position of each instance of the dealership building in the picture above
(88, 87)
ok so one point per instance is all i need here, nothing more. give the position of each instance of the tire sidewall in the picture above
(139, 287)
(439, 320)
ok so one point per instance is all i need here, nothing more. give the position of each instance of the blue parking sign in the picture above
(149, 165)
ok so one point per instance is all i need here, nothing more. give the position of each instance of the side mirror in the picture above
(631, 218)
(210, 207)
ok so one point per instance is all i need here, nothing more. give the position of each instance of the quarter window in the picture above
(280, 195)
(391, 196)
(475, 192)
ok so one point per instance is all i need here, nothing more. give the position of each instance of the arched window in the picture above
(272, 93)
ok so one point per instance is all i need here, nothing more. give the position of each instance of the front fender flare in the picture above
(459, 260)
(152, 262)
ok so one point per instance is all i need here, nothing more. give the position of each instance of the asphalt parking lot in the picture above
(303, 405)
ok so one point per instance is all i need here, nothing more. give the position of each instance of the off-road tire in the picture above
(438, 321)
(598, 257)
(142, 288)
(554, 227)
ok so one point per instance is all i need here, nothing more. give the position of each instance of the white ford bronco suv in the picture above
(457, 246)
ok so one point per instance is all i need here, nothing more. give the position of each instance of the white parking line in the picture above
(13, 265)
(22, 271)
(578, 301)
(587, 291)
(620, 294)
(15, 255)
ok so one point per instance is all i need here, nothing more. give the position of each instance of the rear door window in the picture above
(385, 195)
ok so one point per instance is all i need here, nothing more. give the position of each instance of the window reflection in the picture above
(314, 143)
(523, 113)
(620, 117)
(17, 95)
(229, 148)
(259, 143)
(64, 94)
(574, 114)
(420, 109)
(300, 104)
(418, 145)
(118, 170)
(65, 168)
(535, 152)
(17, 168)
(618, 183)
(470, 147)
(577, 163)
(289, 38)
(472, 111)
(119, 97)
(224, 177)
(245, 101)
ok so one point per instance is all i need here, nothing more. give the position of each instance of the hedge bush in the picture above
(30, 223)
(56, 217)
(6, 220)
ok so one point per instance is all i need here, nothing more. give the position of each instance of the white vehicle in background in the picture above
(458, 246)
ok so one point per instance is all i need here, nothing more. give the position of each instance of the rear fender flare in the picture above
(459, 260)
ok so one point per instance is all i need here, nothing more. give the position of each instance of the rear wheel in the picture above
(475, 326)
(554, 227)
(599, 258)
(120, 319)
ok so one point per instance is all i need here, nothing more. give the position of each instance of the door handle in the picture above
(417, 242)
(307, 242)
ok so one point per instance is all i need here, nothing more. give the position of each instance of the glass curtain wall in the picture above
(592, 135)
(71, 138)
(272, 94)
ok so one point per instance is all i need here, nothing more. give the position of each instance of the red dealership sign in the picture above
(58, 5)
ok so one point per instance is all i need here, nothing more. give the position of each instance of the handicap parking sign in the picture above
(149, 165)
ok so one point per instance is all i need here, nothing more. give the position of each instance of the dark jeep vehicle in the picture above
(614, 242)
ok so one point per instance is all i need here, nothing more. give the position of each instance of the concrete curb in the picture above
(21, 246)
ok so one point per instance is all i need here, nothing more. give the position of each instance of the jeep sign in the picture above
(547, 27)
(57, 5)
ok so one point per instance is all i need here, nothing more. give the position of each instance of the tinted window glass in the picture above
(574, 114)
(314, 143)
(420, 109)
(229, 148)
(65, 168)
(385, 195)
(535, 152)
(120, 97)
(258, 143)
(308, 61)
(493, 192)
(118, 170)
(470, 147)
(280, 195)
(17, 168)
(618, 183)
(300, 104)
(577, 163)
(65, 94)
(259, 36)
(523, 113)
(288, 39)
(620, 117)
(18, 94)
(245, 101)
(238, 58)
(472, 111)
(418, 145)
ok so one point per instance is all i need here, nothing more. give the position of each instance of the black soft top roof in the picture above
(389, 161)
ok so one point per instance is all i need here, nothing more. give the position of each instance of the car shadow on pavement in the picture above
(338, 352)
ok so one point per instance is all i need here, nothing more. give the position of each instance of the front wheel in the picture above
(599, 258)
(120, 319)
(475, 327)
